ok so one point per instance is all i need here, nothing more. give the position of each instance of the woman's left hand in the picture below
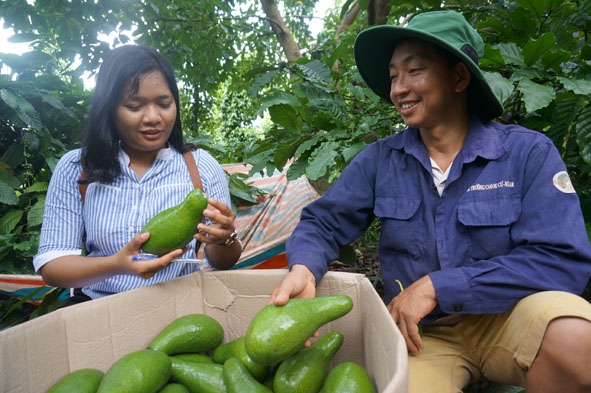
(221, 226)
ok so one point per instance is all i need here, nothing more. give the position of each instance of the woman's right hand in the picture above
(299, 282)
(76, 271)
(144, 268)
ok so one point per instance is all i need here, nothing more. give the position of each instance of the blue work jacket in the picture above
(508, 222)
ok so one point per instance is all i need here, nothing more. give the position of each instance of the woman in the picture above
(134, 168)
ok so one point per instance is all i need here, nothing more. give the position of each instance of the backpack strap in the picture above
(82, 186)
(189, 160)
(193, 170)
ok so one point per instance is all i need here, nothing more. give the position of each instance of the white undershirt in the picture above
(439, 176)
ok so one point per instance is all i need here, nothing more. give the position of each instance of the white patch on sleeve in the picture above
(562, 182)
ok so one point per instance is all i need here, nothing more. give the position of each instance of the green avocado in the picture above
(174, 227)
(237, 349)
(239, 380)
(190, 333)
(84, 380)
(142, 371)
(348, 377)
(198, 377)
(305, 371)
(277, 332)
(174, 388)
(195, 357)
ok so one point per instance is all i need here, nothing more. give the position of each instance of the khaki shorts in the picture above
(500, 348)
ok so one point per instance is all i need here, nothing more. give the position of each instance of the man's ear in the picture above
(463, 76)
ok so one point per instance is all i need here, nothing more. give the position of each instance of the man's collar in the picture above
(482, 140)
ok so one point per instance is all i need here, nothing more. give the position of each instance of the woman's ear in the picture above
(463, 76)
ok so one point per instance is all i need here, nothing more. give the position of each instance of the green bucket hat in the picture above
(448, 30)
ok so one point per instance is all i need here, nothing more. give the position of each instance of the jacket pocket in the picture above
(399, 219)
(489, 223)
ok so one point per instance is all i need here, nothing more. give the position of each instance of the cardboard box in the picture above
(35, 354)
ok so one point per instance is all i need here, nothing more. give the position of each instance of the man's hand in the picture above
(409, 307)
(299, 282)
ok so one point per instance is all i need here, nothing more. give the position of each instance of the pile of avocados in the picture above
(188, 356)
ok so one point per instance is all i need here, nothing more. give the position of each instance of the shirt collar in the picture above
(482, 140)
(164, 154)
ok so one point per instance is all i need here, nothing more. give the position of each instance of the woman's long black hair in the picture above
(121, 69)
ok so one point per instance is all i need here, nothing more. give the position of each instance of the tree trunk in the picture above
(347, 21)
(378, 11)
(282, 32)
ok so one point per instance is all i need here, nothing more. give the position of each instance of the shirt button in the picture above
(458, 307)
(136, 186)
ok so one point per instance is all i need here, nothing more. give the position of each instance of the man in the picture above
(479, 222)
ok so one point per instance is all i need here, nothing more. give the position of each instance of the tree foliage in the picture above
(254, 95)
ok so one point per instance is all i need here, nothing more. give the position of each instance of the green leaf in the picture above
(535, 96)
(316, 71)
(352, 150)
(35, 215)
(492, 57)
(534, 49)
(23, 108)
(7, 178)
(324, 157)
(554, 59)
(522, 23)
(9, 221)
(50, 301)
(538, 7)
(25, 61)
(297, 169)
(284, 151)
(333, 107)
(7, 194)
(23, 37)
(37, 187)
(277, 98)
(51, 163)
(584, 133)
(57, 104)
(511, 54)
(261, 82)
(287, 117)
(577, 86)
(565, 111)
(306, 145)
(501, 87)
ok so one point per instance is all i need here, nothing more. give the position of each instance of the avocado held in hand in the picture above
(277, 332)
(174, 227)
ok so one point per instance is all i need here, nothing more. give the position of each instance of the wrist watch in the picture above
(229, 241)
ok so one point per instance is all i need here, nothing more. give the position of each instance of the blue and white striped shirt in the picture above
(113, 213)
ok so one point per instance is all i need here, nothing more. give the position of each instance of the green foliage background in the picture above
(245, 102)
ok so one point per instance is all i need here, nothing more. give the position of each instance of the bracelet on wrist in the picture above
(230, 240)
